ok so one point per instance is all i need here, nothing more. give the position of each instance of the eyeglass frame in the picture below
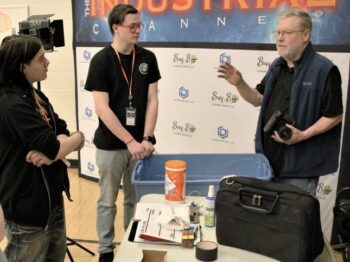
(139, 25)
(278, 33)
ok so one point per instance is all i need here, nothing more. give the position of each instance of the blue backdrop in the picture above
(195, 25)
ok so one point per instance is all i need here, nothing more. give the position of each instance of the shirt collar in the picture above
(304, 55)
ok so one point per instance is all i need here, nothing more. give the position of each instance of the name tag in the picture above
(130, 116)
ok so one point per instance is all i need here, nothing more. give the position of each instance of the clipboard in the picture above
(133, 237)
(146, 229)
(146, 239)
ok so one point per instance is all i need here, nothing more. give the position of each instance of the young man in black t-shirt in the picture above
(123, 78)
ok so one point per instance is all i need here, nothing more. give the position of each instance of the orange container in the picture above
(175, 180)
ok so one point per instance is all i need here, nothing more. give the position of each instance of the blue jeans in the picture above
(308, 184)
(27, 243)
(114, 167)
(2, 257)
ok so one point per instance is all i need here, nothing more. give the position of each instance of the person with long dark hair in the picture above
(33, 144)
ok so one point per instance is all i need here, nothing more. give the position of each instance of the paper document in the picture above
(149, 228)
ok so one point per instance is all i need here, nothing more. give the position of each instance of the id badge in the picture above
(130, 116)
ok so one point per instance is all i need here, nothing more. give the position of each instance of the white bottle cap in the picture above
(211, 191)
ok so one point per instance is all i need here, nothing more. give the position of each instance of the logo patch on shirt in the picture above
(143, 68)
(307, 83)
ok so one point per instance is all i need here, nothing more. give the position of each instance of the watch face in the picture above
(148, 138)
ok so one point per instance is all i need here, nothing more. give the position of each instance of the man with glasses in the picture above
(123, 78)
(303, 86)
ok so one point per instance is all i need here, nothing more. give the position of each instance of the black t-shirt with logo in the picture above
(105, 75)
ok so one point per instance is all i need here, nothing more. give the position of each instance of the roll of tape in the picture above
(206, 251)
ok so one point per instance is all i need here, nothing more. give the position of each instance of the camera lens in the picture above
(284, 132)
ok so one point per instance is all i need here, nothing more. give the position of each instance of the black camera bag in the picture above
(341, 212)
(275, 220)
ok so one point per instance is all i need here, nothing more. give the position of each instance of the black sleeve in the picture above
(154, 75)
(61, 125)
(261, 87)
(31, 130)
(97, 79)
(332, 102)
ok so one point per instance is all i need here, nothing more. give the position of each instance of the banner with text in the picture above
(209, 21)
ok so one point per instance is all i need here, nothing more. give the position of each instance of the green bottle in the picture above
(209, 209)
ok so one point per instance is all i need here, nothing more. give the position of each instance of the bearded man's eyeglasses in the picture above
(286, 33)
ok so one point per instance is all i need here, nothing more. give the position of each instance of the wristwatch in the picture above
(149, 139)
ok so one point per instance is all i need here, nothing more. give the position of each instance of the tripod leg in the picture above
(82, 247)
(70, 255)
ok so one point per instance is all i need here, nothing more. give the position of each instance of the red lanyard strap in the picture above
(125, 75)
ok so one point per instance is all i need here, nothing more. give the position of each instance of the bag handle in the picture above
(257, 197)
(341, 191)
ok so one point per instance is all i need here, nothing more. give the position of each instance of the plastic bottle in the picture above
(209, 212)
(175, 180)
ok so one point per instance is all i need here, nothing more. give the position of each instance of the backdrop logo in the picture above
(184, 129)
(88, 112)
(82, 85)
(91, 167)
(262, 64)
(89, 143)
(317, 13)
(222, 135)
(224, 100)
(224, 58)
(223, 132)
(184, 60)
(184, 92)
(87, 55)
(183, 95)
(324, 189)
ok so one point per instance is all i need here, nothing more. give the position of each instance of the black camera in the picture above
(278, 122)
(50, 33)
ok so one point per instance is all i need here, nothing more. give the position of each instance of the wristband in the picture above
(132, 139)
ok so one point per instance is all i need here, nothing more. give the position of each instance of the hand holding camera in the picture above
(277, 122)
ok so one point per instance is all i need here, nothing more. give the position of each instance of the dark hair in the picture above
(118, 14)
(16, 50)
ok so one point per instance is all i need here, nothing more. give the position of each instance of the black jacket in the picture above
(28, 193)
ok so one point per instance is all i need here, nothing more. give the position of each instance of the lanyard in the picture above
(42, 111)
(125, 75)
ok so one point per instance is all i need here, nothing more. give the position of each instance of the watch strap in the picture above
(149, 139)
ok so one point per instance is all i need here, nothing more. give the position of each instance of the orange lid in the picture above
(176, 164)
